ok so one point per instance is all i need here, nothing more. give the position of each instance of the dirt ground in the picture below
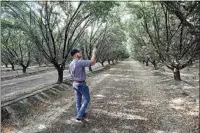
(126, 98)
(28, 83)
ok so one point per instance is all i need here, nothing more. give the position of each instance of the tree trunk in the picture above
(39, 63)
(60, 74)
(113, 62)
(5, 114)
(190, 63)
(147, 63)
(154, 64)
(109, 62)
(90, 68)
(13, 67)
(24, 69)
(177, 75)
(102, 63)
(6, 65)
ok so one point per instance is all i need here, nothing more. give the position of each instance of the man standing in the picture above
(77, 72)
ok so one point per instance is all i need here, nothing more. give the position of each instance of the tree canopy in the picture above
(164, 33)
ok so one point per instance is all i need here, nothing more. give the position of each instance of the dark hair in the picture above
(74, 51)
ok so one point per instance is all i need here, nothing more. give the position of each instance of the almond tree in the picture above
(17, 49)
(56, 27)
(188, 13)
(6, 49)
(93, 38)
(174, 44)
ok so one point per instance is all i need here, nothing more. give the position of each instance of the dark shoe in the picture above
(85, 115)
(79, 120)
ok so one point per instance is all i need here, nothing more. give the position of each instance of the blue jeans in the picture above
(81, 90)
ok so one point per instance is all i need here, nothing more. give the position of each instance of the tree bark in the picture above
(24, 69)
(90, 68)
(109, 62)
(13, 67)
(190, 63)
(147, 63)
(177, 75)
(154, 64)
(39, 63)
(102, 63)
(60, 74)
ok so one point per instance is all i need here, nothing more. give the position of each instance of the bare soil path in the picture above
(17, 87)
(127, 98)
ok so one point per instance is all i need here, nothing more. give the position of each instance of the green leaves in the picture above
(99, 9)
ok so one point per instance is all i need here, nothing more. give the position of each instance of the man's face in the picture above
(79, 55)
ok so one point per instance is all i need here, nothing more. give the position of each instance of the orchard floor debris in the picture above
(125, 98)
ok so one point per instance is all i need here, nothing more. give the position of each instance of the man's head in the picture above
(75, 53)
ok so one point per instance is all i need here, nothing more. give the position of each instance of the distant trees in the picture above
(16, 48)
(188, 13)
(7, 54)
(93, 38)
(162, 37)
(112, 46)
(53, 29)
(160, 32)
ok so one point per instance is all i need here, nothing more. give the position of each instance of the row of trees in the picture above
(48, 31)
(166, 33)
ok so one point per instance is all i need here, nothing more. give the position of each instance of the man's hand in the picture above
(93, 58)
(94, 51)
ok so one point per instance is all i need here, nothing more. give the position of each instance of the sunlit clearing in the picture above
(133, 110)
(148, 103)
(193, 113)
(113, 103)
(188, 87)
(112, 130)
(118, 96)
(99, 96)
(177, 107)
(41, 126)
(120, 115)
(128, 127)
(71, 121)
(158, 131)
(178, 101)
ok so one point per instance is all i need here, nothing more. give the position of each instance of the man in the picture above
(77, 72)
